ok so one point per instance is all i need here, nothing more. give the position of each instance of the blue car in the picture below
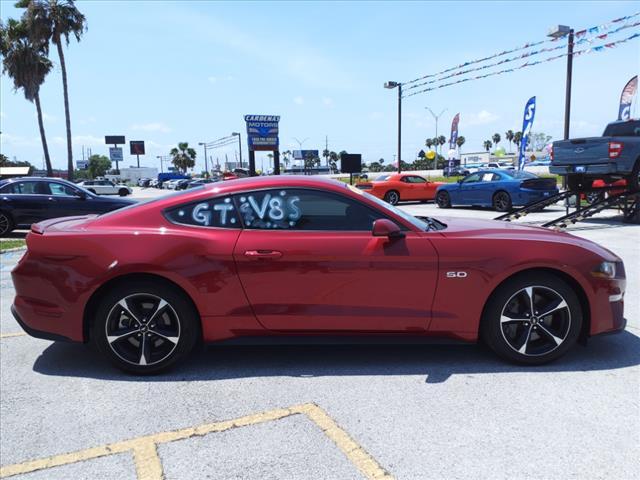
(499, 189)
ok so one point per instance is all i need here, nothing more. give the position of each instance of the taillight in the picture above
(551, 153)
(615, 149)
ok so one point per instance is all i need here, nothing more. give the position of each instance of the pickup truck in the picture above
(614, 156)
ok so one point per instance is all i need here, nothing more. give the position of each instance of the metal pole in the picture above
(399, 126)
(206, 162)
(567, 98)
(240, 147)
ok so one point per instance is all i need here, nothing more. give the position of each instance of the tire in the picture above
(512, 329)
(123, 192)
(392, 197)
(6, 224)
(594, 197)
(121, 333)
(502, 201)
(443, 199)
(634, 179)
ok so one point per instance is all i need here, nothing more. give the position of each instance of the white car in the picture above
(106, 187)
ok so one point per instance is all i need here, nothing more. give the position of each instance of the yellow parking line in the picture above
(148, 463)
(9, 335)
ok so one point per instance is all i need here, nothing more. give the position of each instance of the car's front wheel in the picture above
(532, 319)
(123, 192)
(143, 327)
(443, 199)
(392, 197)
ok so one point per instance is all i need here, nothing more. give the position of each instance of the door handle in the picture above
(262, 254)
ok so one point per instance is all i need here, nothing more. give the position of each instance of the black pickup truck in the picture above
(614, 156)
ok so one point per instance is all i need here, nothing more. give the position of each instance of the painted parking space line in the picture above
(149, 466)
(11, 335)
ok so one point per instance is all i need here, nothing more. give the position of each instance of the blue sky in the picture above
(166, 71)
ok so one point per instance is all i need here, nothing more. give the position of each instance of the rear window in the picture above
(624, 129)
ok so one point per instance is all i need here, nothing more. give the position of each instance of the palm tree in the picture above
(487, 145)
(26, 63)
(496, 139)
(509, 136)
(183, 157)
(460, 141)
(325, 154)
(51, 21)
(441, 141)
(429, 143)
(517, 139)
(285, 158)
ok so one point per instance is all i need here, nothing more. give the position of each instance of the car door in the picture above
(308, 262)
(65, 201)
(417, 187)
(468, 191)
(24, 201)
(486, 188)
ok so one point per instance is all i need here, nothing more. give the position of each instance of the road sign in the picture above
(115, 154)
(262, 131)
(82, 164)
(304, 154)
(136, 147)
(114, 139)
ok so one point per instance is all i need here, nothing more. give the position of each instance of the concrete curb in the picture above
(9, 250)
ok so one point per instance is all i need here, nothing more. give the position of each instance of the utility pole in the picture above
(398, 85)
(436, 118)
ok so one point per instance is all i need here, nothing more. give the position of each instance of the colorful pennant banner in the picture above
(596, 29)
(598, 48)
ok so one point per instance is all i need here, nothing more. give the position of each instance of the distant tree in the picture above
(311, 161)
(375, 167)
(539, 140)
(184, 157)
(286, 158)
(333, 161)
(487, 145)
(460, 141)
(53, 21)
(496, 139)
(441, 141)
(421, 164)
(509, 136)
(429, 143)
(517, 139)
(325, 155)
(98, 165)
(26, 63)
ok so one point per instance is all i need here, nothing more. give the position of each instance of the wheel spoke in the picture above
(529, 291)
(120, 336)
(523, 348)
(560, 305)
(170, 338)
(125, 307)
(504, 319)
(145, 350)
(549, 334)
(161, 305)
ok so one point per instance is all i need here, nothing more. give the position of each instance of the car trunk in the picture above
(581, 151)
(539, 183)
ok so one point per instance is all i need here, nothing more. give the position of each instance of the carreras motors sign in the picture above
(262, 131)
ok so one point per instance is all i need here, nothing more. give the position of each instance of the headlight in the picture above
(605, 270)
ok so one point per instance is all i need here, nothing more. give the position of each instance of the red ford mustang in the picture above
(397, 187)
(300, 256)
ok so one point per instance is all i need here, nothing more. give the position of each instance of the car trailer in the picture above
(627, 201)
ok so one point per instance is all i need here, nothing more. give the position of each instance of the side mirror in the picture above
(80, 194)
(386, 228)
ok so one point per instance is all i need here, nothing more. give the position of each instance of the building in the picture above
(12, 172)
(133, 174)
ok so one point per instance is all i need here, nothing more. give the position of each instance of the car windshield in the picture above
(423, 223)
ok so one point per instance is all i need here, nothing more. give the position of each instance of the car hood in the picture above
(496, 229)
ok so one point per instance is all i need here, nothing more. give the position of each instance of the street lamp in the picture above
(391, 85)
(237, 134)
(436, 118)
(560, 31)
(161, 158)
(206, 163)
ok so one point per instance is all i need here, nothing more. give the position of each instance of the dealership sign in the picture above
(115, 154)
(262, 131)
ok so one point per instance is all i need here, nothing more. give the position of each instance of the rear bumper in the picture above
(595, 169)
(37, 333)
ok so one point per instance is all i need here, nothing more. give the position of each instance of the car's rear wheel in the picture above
(123, 192)
(143, 327)
(532, 319)
(392, 197)
(594, 197)
(502, 201)
(634, 180)
(443, 199)
(6, 224)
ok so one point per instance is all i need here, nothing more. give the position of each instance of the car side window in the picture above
(60, 190)
(218, 213)
(490, 177)
(415, 179)
(474, 177)
(300, 209)
(22, 188)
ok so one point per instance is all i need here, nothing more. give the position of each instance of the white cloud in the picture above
(375, 116)
(212, 79)
(481, 118)
(79, 140)
(151, 127)
(19, 140)
(327, 101)
(298, 100)
(46, 116)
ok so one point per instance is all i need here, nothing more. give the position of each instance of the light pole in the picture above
(206, 163)
(560, 31)
(398, 85)
(237, 134)
(436, 118)
(161, 158)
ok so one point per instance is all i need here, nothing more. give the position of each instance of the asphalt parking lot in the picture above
(335, 412)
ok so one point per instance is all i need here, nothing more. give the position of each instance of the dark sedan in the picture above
(28, 200)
